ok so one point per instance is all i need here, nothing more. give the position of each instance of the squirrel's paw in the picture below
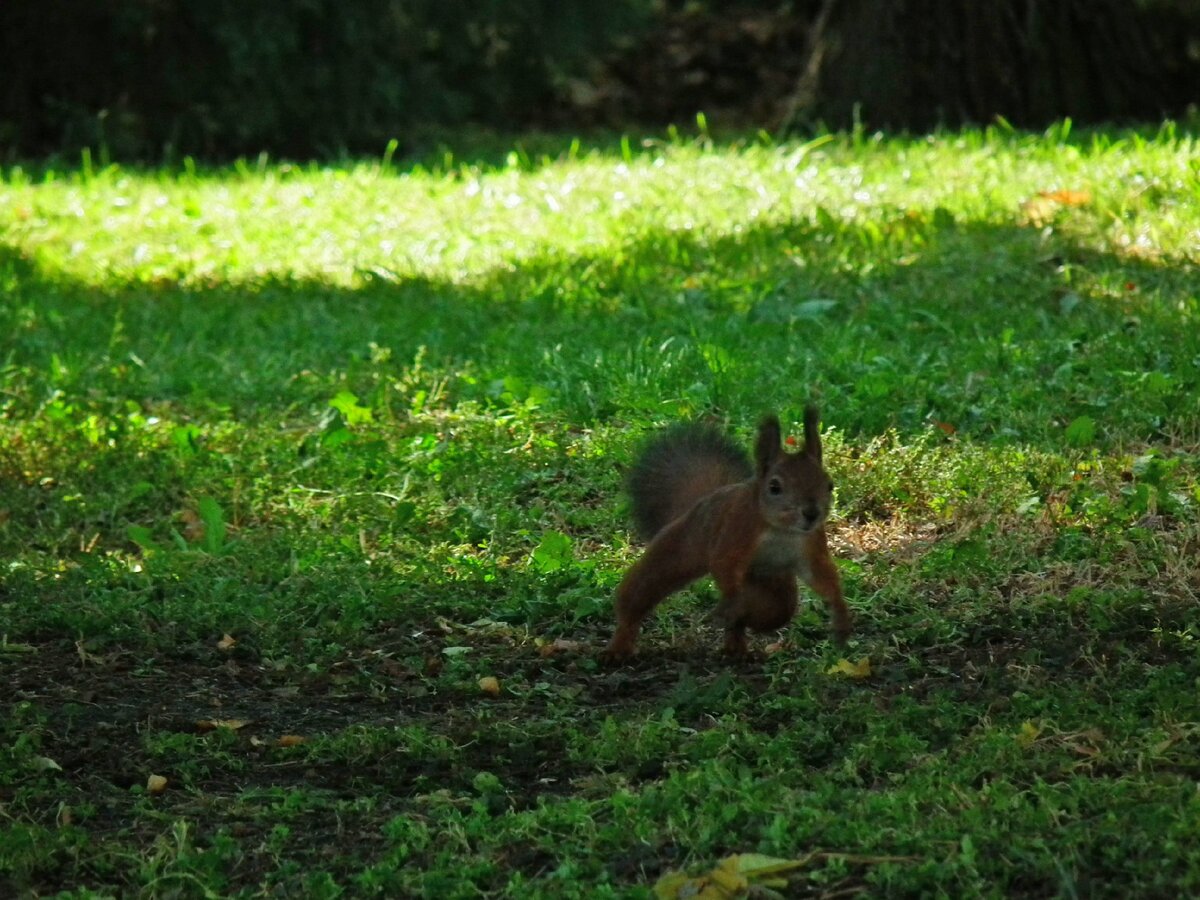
(616, 653)
(735, 643)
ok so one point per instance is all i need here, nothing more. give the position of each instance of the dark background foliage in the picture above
(161, 78)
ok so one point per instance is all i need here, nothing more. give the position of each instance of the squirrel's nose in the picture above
(810, 514)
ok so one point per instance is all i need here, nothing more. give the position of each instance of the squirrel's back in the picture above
(676, 469)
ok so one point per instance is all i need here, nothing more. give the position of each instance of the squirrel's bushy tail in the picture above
(676, 469)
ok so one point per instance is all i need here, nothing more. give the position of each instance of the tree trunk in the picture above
(920, 63)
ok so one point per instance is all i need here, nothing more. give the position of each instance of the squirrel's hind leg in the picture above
(735, 641)
(664, 568)
(770, 600)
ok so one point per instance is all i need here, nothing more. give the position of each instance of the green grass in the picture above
(371, 423)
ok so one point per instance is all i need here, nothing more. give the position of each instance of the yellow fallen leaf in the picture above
(671, 885)
(860, 669)
(756, 865)
(156, 784)
(678, 886)
(727, 877)
(291, 740)
(231, 724)
(1028, 734)
(489, 684)
(228, 642)
(731, 878)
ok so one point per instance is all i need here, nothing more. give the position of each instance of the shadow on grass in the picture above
(995, 330)
(1002, 335)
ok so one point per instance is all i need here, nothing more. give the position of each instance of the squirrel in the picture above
(706, 510)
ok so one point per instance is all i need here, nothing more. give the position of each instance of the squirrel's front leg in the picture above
(823, 578)
(729, 572)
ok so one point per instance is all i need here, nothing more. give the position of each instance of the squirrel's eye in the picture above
(775, 486)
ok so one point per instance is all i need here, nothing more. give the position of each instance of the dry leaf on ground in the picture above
(732, 877)
(231, 724)
(860, 669)
(557, 646)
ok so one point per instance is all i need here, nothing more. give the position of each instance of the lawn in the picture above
(311, 517)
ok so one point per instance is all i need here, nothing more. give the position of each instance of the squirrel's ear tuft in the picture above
(769, 444)
(812, 435)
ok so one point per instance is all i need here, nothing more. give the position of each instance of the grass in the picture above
(369, 422)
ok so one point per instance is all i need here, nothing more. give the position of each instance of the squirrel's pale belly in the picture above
(781, 550)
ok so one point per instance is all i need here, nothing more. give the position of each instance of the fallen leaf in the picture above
(46, 764)
(227, 642)
(1028, 734)
(860, 669)
(756, 865)
(1067, 198)
(946, 427)
(732, 877)
(291, 740)
(86, 657)
(489, 684)
(1040, 209)
(774, 647)
(558, 645)
(156, 784)
(728, 879)
(231, 724)
(672, 885)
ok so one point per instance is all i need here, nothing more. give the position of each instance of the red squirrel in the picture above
(706, 510)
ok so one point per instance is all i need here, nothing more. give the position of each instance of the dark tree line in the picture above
(911, 64)
(148, 78)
